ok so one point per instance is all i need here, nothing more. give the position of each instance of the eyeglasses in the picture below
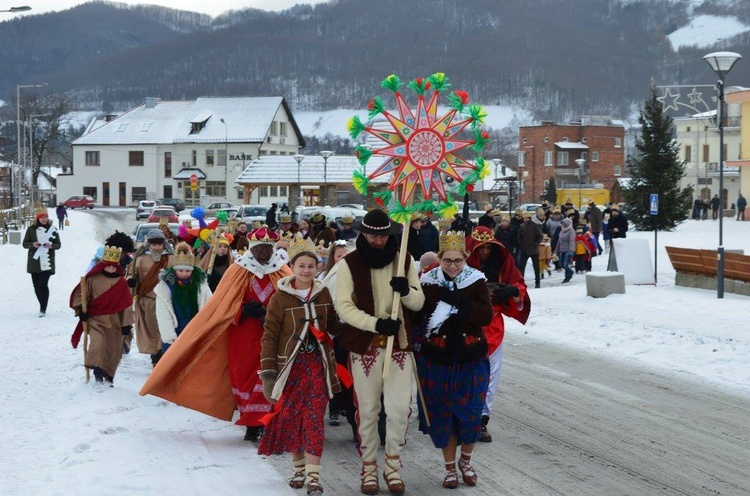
(457, 262)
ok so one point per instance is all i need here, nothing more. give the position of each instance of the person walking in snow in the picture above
(62, 213)
(715, 202)
(41, 240)
(741, 205)
(566, 243)
(107, 317)
(298, 366)
(181, 293)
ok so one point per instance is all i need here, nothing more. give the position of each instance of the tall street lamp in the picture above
(226, 157)
(31, 153)
(325, 154)
(18, 123)
(721, 63)
(580, 163)
(497, 162)
(299, 158)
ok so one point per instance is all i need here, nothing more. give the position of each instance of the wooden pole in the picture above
(397, 296)
(84, 307)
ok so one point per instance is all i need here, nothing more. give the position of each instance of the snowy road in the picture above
(571, 423)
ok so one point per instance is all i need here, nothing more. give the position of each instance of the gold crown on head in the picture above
(298, 244)
(285, 240)
(112, 254)
(453, 241)
(482, 237)
(322, 249)
(183, 257)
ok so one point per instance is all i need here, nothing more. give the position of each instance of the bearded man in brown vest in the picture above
(143, 276)
(365, 288)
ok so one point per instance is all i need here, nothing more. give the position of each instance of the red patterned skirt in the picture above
(300, 423)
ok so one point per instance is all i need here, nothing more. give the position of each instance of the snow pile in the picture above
(706, 30)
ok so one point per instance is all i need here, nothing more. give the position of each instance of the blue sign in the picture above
(654, 204)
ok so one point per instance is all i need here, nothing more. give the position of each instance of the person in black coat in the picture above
(271, 217)
(618, 224)
(507, 234)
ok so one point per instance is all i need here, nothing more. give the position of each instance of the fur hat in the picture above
(377, 222)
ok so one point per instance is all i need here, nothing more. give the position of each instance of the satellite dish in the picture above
(599, 186)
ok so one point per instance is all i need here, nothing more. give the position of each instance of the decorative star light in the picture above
(671, 95)
(668, 100)
(421, 148)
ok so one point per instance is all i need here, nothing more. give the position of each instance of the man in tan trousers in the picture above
(143, 277)
(365, 288)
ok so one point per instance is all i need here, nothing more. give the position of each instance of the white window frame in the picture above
(618, 142)
(93, 158)
(563, 159)
(549, 158)
(210, 158)
(521, 159)
(594, 156)
(618, 170)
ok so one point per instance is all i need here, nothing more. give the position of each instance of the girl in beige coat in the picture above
(298, 368)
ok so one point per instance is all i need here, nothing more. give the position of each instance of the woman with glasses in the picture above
(453, 366)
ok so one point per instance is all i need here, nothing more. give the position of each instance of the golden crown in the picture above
(322, 249)
(482, 237)
(164, 221)
(298, 244)
(285, 239)
(453, 240)
(183, 257)
(112, 254)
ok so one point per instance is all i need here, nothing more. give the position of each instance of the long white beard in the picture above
(156, 255)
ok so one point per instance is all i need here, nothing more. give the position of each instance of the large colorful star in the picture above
(420, 147)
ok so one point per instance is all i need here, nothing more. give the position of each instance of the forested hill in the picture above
(555, 58)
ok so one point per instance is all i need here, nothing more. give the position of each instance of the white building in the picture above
(698, 140)
(153, 150)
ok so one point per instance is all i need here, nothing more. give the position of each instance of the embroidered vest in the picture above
(354, 339)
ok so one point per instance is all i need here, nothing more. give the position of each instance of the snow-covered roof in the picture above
(282, 169)
(571, 145)
(246, 120)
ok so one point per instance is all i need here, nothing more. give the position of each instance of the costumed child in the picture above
(582, 251)
(218, 259)
(181, 293)
(107, 316)
(545, 256)
(298, 368)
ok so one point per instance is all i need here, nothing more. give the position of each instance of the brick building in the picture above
(549, 152)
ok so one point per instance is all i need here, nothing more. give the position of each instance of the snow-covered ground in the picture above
(705, 30)
(61, 437)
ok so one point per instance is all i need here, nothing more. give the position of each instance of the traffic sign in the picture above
(193, 178)
(654, 202)
(194, 187)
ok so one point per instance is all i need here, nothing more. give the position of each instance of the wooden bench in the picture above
(698, 269)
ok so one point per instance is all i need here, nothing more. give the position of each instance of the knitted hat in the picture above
(40, 212)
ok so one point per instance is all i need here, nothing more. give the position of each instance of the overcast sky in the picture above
(213, 8)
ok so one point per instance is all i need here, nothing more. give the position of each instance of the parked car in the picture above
(252, 213)
(83, 201)
(144, 208)
(161, 212)
(141, 230)
(332, 214)
(177, 203)
(231, 212)
(212, 208)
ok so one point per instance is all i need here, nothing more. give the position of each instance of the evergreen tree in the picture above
(550, 194)
(656, 168)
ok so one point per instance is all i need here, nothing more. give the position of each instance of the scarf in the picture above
(377, 258)
(443, 310)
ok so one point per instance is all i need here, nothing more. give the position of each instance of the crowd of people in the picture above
(275, 328)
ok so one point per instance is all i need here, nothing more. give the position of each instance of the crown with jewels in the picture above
(453, 240)
(112, 254)
(482, 236)
(298, 244)
(322, 249)
(183, 257)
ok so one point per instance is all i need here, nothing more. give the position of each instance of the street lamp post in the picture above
(497, 162)
(721, 63)
(325, 154)
(226, 157)
(299, 158)
(580, 163)
(18, 123)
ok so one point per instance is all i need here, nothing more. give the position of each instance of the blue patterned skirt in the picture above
(454, 395)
